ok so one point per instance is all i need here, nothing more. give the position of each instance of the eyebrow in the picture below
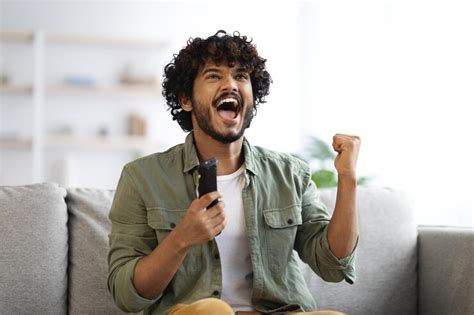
(240, 69)
(210, 70)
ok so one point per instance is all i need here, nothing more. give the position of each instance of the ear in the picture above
(185, 103)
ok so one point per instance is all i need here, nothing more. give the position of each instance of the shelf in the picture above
(16, 89)
(16, 143)
(40, 89)
(121, 89)
(17, 36)
(57, 38)
(103, 40)
(98, 143)
(83, 143)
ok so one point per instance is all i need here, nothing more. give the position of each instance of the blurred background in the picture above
(80, 88)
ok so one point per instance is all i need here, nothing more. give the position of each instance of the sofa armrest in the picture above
(445, 282)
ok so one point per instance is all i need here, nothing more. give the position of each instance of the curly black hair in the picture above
(220, 48)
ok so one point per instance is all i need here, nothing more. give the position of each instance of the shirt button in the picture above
(290, 221)
(173, 225)
(215, 293)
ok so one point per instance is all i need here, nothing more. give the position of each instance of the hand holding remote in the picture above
(205, 218)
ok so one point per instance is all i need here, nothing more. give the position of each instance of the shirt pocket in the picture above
(280, 229)
(163, 221)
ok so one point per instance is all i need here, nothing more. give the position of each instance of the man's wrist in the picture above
(347, 177)
(180, 243)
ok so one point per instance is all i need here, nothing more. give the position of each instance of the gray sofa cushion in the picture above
(89, 227)
(386, 275)
(33, 250)
(446, 270)
(386, 260)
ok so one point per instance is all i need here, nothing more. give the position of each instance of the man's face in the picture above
(222, 103)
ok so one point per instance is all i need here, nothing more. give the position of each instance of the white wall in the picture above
(175, 23)
(400, 75)
(397, 73)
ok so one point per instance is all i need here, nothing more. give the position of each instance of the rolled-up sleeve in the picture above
(312, 240)
(130, 239)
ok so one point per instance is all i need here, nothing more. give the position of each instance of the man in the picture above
(171, 255)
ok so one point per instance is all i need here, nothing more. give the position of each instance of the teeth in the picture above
(227, 100)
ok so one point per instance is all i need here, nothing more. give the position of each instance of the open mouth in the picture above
(228, 108)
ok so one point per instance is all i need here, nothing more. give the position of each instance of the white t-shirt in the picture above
(237, 275)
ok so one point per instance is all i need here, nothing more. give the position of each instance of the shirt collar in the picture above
(191, 159)
(249, 155)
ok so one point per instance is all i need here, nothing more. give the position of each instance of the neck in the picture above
(229, 155)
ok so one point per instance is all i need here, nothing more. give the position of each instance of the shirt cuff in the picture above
(131, 298)
(344, 265)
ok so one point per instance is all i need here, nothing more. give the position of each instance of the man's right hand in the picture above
(201, 225)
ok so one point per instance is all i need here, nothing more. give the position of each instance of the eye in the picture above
(242, 76)
(213, 76)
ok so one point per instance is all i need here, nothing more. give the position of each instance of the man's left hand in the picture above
(347, 148)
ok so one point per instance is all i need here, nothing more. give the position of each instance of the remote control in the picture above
(208, 178)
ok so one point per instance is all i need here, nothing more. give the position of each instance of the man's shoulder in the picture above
(158, 159)
(279, 159)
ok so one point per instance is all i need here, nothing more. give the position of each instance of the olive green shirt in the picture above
(283, 215)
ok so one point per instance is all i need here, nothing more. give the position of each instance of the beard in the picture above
(203, 118)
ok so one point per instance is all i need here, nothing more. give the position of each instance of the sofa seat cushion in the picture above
(33, 250)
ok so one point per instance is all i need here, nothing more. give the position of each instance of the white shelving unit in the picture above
(39, 90)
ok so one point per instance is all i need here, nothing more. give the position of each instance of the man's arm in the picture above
(343, 229)
(311, 241)
(154, 272)
(140, 267)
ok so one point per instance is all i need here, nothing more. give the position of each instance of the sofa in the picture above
(54, 243)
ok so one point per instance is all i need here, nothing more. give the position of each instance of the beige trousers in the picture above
(213, 306)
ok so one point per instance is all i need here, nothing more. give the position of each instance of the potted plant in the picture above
(320, 156)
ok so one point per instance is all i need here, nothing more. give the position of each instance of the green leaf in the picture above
(319, 150)
(363, 180)
(324, 178)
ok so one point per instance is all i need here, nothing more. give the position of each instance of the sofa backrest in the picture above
(88, 246)
(33, 221)
(386, 257)
(33, 249)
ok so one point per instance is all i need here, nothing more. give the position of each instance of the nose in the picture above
(229, 84)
